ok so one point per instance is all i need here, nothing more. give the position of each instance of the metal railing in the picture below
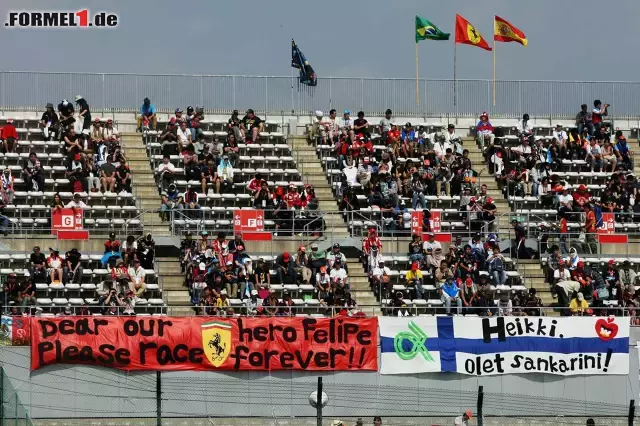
(273, 94)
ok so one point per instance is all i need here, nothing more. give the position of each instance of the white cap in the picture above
(254, 292)
(202, 266)
(319, 113)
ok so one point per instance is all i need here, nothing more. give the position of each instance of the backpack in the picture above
(497, 265)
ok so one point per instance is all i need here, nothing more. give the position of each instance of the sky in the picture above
(373, 38)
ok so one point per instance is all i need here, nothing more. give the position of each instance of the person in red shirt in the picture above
(278, 193)
(564, 231)
(292, 198)
(393, 139)
(221, 249)
(9, 136)
(112, 244)
(580, 198)
(255, 184)
(590, 230)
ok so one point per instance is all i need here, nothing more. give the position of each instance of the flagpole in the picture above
(494, 60)
(455, 97)
(417, 78)
(292, 102)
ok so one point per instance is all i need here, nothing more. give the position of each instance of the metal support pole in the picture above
(1, 396)
(158, 398)
(319, 402)
(479, 405)
(632, 411)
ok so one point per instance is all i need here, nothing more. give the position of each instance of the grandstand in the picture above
(292, 154)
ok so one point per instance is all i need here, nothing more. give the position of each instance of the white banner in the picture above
(505, 345)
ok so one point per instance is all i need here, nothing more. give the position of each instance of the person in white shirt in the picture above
(364, 171)
(334, 126)
(339, 275)
(385, 124)
(323, 283)
(594, 155)
(320, 126)
(523, 150)
(346, 123)
(350, 172)
(565, 201)
(463, 420)
(560, 135)
(524, 126)
(76, 203)
(110, 133)
(166, 172)
(441, 145)
(137, 275)
(184, 136)
(431, 244)
(377, 276)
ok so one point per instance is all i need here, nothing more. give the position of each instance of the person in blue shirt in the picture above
(148, 112)
(621, 149)
(451, 295)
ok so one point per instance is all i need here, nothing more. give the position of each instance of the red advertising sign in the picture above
(214, 343)
(417, 219)
(66, 220)
(248, 220)
(608, 224)
(14, 330)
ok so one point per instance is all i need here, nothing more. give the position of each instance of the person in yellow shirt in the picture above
(414, 280)
(578, 305)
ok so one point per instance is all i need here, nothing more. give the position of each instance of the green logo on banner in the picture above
(417, 337)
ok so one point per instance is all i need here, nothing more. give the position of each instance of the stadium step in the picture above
(172, 283)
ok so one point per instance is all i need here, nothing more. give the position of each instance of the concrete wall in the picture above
(80, 391)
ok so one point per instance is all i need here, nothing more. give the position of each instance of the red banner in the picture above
(248, 220)
(201, 343)
(608, 224)
(417, 218)
(14, 330)
(66, 219)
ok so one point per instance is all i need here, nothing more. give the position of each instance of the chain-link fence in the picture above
(12, 412)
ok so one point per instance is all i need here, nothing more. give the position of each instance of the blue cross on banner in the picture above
(504, 345)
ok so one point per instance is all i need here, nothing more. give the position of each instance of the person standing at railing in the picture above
(148, 113)
(590, 229)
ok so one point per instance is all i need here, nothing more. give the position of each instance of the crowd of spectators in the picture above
(414, 164)
(223, 279)
(213, 163)
(591, 289)
(125, 262)
(465, 277)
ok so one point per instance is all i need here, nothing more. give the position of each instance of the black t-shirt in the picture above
(66, 110)
(73, 258)
(31, 167)
(250, 123)
(359, 122)
(37, 259)
(49, 117)
(82, 103)
(72, 139)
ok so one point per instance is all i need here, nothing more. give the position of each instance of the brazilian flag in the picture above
(425, 30)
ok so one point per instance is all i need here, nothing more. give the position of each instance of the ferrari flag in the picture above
(467, 34)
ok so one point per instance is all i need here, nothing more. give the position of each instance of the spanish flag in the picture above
(467, 34)
(504, 31)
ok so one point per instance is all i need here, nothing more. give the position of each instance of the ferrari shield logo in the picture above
(216, 342)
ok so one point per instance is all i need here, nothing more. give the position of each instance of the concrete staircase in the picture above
(174, 292)
(144, 184)
(360, 289)
(312, 172)
(534, 274)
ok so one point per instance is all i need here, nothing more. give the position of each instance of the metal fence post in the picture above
(319, 403)
(479, 405)
(1, 396)
(632, 411)
(158, 398)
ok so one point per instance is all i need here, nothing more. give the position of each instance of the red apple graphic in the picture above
(606, 329)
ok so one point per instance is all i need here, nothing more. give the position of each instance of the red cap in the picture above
(286, 256)
(76, 157)
(414, 266)
(469, 282)
(582, 188)
(323, 269)
(372, 230)
(172, 120)
(561, 262)
(580, 264)
(489, 200)
(427, 162)
(612, 262)
(469, 413)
